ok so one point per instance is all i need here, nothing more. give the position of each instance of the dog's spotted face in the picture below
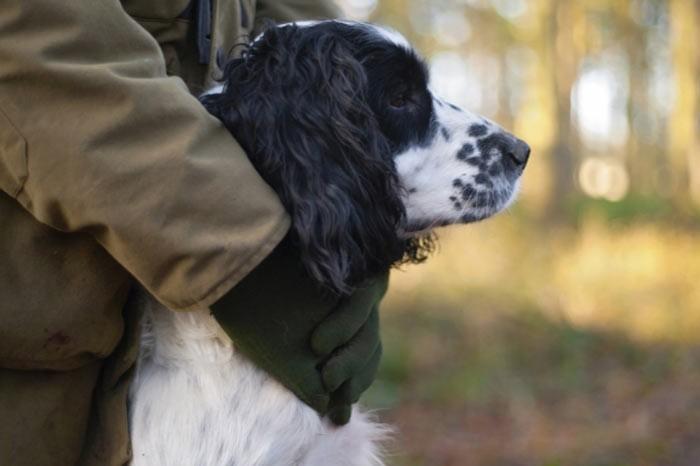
(468, 170)
(454, 166)
(339, 119)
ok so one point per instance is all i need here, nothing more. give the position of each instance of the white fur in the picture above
(218, 89)
(392, 35)
(196, 402)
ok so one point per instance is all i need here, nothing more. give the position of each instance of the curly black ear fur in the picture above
(296, 102)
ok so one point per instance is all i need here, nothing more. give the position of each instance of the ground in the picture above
(517, 346)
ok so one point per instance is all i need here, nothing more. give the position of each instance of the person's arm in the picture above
(95, 138)
(303, 323)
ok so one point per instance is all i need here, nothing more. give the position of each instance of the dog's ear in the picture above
(297, 103)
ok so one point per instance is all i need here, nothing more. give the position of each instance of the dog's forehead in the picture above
(385, 32)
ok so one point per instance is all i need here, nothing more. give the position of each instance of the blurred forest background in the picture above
(566, 331)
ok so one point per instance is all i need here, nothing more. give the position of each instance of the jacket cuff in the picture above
(243, 268)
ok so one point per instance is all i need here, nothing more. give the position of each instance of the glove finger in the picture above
(346, 320)
(351, 390)
(340, 414)
(360, 384)
(340, 405)
(350, 359)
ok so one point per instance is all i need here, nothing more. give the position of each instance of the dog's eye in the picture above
(399, 100)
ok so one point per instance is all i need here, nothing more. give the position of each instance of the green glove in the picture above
(346, 373)
(324, 349)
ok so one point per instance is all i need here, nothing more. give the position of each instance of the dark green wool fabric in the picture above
(323, 348)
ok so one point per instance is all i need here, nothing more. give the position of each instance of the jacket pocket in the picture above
(62, 295)
(13, 157)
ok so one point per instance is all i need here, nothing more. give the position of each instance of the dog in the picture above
(338, 118)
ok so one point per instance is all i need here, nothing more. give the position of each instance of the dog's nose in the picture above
(519, 152)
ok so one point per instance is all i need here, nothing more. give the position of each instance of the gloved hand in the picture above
(324, 349)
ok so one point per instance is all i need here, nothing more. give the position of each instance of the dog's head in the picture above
(338, 118)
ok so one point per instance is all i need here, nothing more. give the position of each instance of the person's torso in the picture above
(61, 294)
(193, 33)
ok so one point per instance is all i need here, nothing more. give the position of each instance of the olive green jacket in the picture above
(111, 170)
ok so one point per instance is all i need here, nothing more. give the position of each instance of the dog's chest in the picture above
(194, 401)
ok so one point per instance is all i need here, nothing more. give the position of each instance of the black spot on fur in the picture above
(453, 198)
(454, 107)
(412, 191)
(468, 218)
(458, 206)
(445, 133)
(465, 152)
(477, 131)
(468, 192)
(483, 179)
(495, 169)
(457, 183)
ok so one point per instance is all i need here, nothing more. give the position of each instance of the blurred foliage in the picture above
(566, 331)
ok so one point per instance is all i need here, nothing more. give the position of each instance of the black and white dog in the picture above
(339, 120)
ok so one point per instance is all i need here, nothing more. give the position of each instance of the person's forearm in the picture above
(98, 140)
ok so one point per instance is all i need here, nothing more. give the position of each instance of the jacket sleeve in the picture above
(95, 138)
(285, 11)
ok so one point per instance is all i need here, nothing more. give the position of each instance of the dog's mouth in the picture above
(425, 227)
(464, 214)
(422, 227)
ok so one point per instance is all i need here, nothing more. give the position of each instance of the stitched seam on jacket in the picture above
(24, 174)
